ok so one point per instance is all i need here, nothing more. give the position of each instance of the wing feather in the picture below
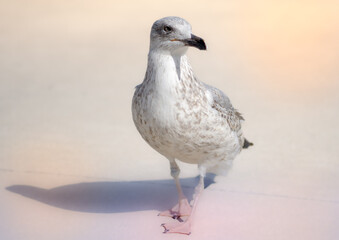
(224, 106)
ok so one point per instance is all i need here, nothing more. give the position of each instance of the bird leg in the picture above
(184, 227)
(183, 208)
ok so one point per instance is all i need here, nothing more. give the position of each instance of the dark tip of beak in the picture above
(195, 41)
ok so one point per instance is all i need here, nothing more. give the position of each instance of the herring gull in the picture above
(183, 118)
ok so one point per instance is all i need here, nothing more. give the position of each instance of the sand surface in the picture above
(73, 166)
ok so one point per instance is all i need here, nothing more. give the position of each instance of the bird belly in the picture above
(194, 135)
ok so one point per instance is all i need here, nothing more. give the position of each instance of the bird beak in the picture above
(195, 41)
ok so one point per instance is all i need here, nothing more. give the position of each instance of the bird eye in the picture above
(168, 29)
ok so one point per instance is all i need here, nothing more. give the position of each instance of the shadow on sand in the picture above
(112, 197)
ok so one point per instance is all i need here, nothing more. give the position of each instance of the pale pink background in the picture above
(72, 165)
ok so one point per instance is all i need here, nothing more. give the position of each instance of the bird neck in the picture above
(165, 66)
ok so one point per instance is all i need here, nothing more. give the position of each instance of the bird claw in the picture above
(179, 210)
(177, 227)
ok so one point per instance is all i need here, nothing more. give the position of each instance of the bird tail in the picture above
(247, 144)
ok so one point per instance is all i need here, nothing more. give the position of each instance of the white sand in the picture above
(67, 75)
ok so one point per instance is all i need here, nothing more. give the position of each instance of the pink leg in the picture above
(183, 208)
(184, 227)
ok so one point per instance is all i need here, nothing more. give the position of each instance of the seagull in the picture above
(183, 118)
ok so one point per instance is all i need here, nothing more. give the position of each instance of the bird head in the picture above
(174, 34)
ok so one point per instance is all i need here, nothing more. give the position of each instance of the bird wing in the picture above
(222, 104)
